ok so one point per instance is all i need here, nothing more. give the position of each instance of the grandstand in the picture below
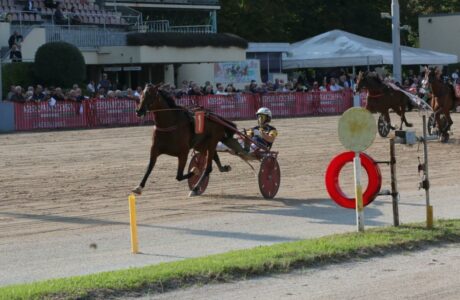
(103, 28)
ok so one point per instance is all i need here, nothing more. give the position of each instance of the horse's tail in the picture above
(454, 97)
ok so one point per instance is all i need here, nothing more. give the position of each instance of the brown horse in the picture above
(381, 97)
(173, 134)
(442, 100)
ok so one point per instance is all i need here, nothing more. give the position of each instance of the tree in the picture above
(59, 64)
(293, 20)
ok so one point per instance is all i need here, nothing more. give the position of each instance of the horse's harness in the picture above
(369, 95)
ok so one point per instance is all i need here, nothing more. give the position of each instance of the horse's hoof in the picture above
(137, 190)
(444, 138)
(226, 169)
(192, 193)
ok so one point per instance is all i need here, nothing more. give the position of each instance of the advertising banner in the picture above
(66, 114)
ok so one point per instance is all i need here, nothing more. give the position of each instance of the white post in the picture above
(396, 40)
(358, 192)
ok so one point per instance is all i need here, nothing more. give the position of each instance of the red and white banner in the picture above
(108, 112)
(118, 112)
(29, 116)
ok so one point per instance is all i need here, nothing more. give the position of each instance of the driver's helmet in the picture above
(264, 111)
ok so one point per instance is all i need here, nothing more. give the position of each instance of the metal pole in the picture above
(1, 79)
(426, 182)
(358, 193)
(394, 183)
(396, 41)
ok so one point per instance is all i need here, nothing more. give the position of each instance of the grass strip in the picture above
(239, 264)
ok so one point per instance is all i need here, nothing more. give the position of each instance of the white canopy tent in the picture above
(339, 48)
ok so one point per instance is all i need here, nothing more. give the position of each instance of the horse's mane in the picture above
(167, 96)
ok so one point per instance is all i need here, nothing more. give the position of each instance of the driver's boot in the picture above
(235, 146)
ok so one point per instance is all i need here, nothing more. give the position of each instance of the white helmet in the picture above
(264, 111)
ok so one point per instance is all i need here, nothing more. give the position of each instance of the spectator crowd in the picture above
(105, 89)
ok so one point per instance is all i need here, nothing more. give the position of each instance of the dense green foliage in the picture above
(17, 74)
(238, 264)
(293, 20)
(59, 64)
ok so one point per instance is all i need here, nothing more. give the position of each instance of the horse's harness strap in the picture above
(167, 129)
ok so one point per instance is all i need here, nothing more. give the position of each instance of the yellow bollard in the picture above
(429, 217)
(133, 224)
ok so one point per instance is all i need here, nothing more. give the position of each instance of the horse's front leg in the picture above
(153, 158)
(208, 170)
(180, 169)
(437, 117)
(222, 168)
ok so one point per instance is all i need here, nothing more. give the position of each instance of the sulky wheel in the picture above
(269, 177)
(431, 124)
(199, 163)
(383, 126)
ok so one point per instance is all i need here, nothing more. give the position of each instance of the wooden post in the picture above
(394, 183)
(133, 224)
(426, 183)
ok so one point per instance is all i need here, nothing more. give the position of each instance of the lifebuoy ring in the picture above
(332, 179)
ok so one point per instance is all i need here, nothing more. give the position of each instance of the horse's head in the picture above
(150, 96)
(366, 80)
(432, 75)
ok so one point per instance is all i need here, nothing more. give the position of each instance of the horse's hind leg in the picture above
(404, 119)
(153, 159)
(180, 169)
(222, 168)
(449, 119)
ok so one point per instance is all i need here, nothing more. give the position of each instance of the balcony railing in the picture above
(85, 37)
(177, 2)
(164, 26)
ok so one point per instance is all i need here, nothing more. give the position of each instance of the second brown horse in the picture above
(381, 97)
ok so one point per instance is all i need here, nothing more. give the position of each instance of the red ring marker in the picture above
(332, 179)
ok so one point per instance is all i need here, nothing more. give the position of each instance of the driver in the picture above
(263, 134)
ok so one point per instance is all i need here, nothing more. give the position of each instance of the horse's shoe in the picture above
(137, 190)
(193, 193)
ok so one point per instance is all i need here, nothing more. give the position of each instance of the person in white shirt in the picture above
(334, 86)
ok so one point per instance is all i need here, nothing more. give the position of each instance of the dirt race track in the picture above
(62, 184)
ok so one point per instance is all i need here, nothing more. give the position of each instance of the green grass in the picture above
(239, 264)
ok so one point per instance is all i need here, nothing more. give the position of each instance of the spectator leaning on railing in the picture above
(38, 94)
(18, 95)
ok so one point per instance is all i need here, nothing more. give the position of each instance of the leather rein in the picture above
(166, 129)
